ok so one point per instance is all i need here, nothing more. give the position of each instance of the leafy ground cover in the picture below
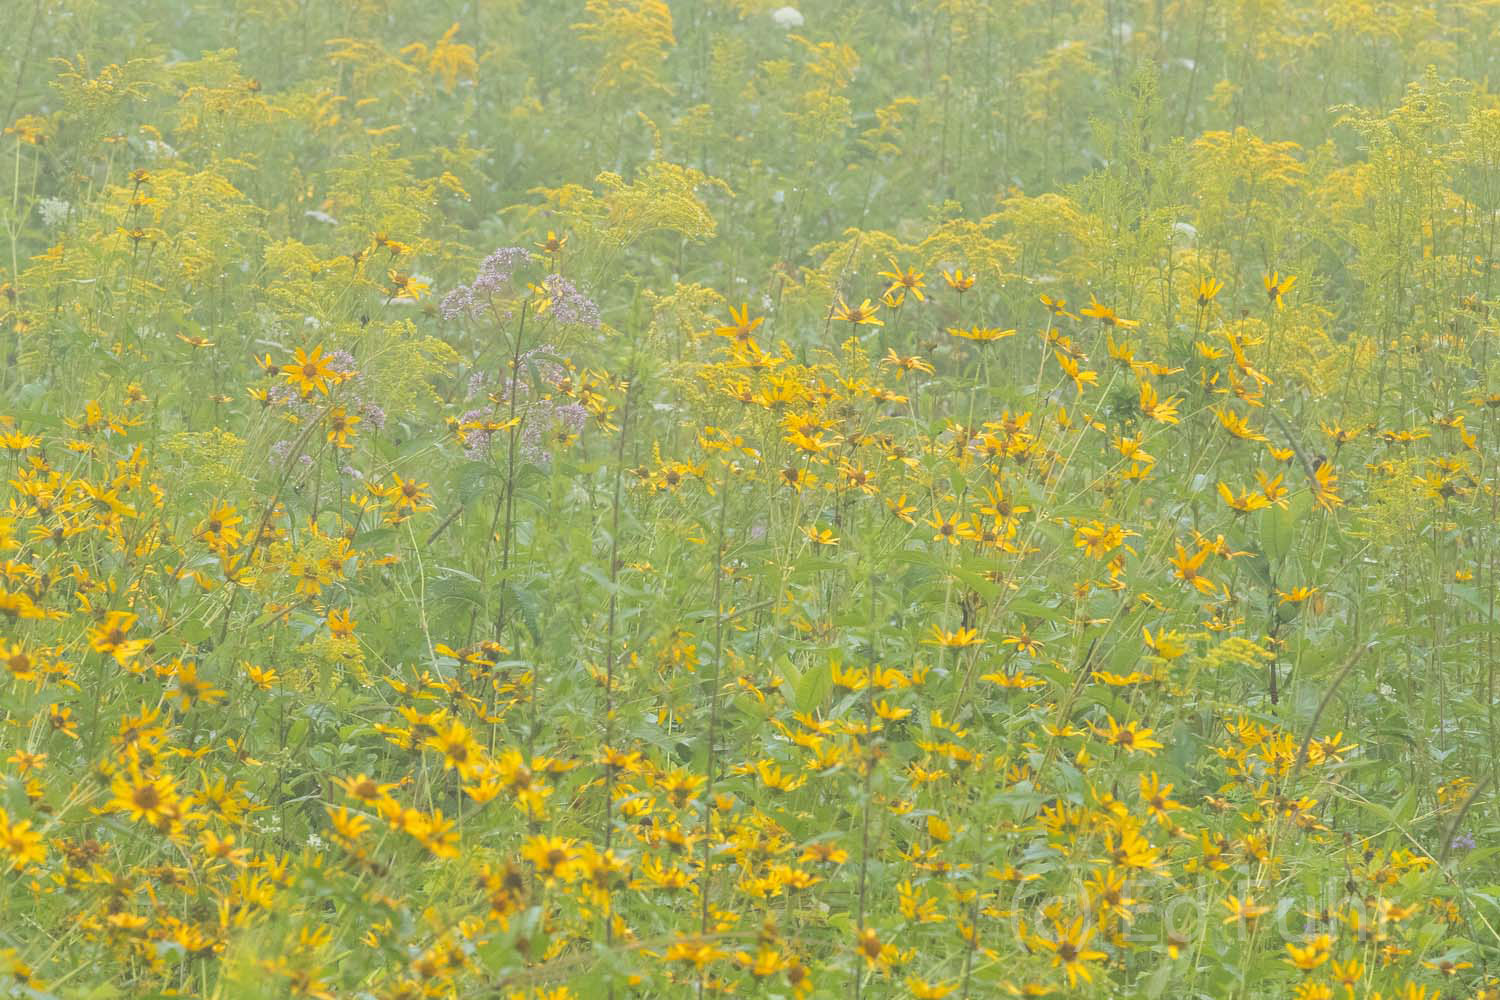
(618, 499)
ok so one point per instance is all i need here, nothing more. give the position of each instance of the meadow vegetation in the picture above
(610, 498)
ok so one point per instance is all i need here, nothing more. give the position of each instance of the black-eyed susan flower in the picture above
(1057, 307)
(906, 363)
(1131, 737)
(959, 638)
(1068, 944)
(907, 281)
(1208, 290)
(143, 796)
(1105, 315)
(860, 315)
(981, 334)
(958, 280)
(20, 845)
(1277, 286)
(741, 328)
(1310, 954)
(311, 372)
(1154, 407)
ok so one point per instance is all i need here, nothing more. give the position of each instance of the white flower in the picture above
(787, 18)
(54, 211)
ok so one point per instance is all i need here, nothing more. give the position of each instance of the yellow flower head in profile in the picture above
(1165, 644)
(1105, 315)
(1325, 486)
(1237, 425)
(111, 636)
(981, 334)
(960, 638)
(958, 280)
(1153, 406)
(741, 328)
(1243, 503)
(860, 315)
(406, 286)
(1246, 909)
(1099, 538)
(1057, 307)
(1208, 289)
(906, 281)
(906, 364)
(1310, 955)
(31, 129)
(921, 989)
(822, 537)
(1277, 286)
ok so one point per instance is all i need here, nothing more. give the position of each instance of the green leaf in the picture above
(814, 686)
(789, 672)
(1278, 530)
(191, 631)
(1156, 983)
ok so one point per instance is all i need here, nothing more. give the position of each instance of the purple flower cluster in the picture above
(494, 275)
(540, 359)
(343, 363)
(548, 369)
(477, 439)
(569, 306)
(281, 451)
(559, 421)
(546, 418)
(1463, 842)
(282, 394)
(372, 414)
